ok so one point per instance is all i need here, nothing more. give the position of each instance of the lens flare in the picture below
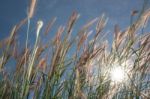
(117, 74)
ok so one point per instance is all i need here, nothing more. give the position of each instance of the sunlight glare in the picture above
(117, 74)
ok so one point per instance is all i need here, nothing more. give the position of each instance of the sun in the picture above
(117, 74)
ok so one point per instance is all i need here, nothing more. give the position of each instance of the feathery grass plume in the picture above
(72, 21)
(42, 64)
(11, 38)
(145, 40)
(83, 33)
(145, 18)
(57, 39)
(83, 38)
(101, 24)
(32, 8)
(14, 52)
(21, 61)
(141, 22)
(21, 23)
(6, 55)
(87, 25)
(39, 26)
(49, 25)
(119, 37)
(41, 49)
(31, 63)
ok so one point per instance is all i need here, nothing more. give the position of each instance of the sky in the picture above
(117, 11)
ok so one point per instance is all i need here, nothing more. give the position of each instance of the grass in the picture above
(77, 67)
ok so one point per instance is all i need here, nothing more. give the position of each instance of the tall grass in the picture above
(77, 67)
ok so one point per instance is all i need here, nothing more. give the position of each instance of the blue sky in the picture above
(118, 12)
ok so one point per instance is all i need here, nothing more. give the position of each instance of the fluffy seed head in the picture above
(32, 8)
(39, 26)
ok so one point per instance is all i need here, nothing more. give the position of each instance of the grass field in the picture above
(84, 66)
